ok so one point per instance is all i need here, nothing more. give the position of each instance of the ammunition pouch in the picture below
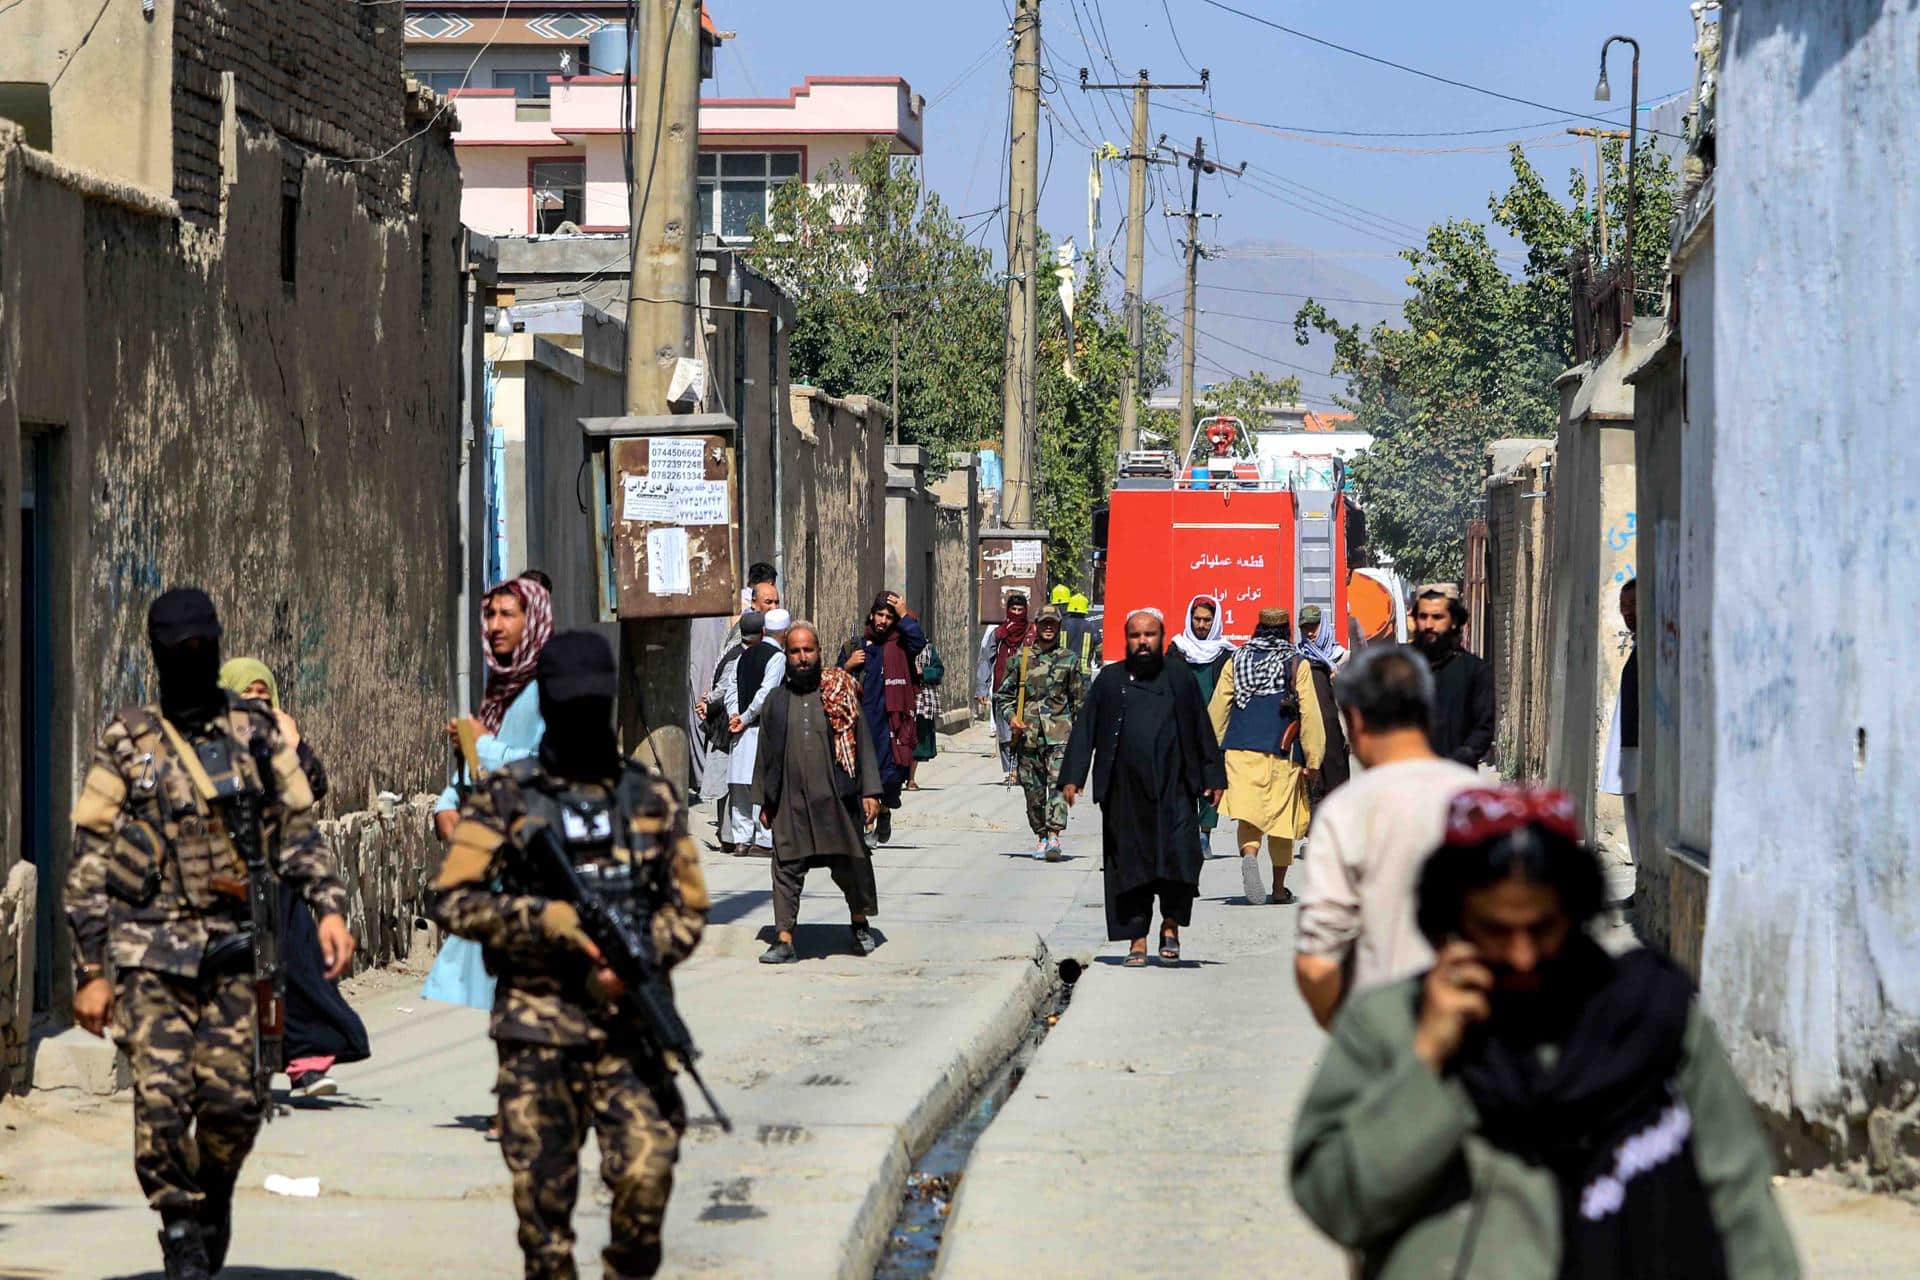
(133, 866)
(226, 956)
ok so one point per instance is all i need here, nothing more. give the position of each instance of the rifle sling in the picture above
(190, 761)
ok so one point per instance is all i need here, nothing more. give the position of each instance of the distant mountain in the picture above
(1248, 296)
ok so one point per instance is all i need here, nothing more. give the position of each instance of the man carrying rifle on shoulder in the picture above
(575, 871)
(194, 809)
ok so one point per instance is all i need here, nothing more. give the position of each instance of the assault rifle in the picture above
(626, 945)
(241, 805)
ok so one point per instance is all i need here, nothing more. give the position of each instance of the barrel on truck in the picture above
(1220, 525)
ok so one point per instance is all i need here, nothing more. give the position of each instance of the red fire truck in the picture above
(1223, 523)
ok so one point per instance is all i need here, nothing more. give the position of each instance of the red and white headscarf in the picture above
(506, 681)
(1481, 813)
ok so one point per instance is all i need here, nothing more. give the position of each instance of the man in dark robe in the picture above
(882, 659)
(1464, 713)
(817, 785)
(1145, 737)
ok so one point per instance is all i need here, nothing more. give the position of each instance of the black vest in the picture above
(752, 671)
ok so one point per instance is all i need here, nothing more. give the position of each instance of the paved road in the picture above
(1148, 1137)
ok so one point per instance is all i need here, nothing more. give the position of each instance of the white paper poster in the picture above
(700, 502)
(644, 498)
(1024, 556)
(669, 572)
(676, 458)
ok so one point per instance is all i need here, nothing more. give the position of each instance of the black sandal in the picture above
(1136, 959)
(1170, 946)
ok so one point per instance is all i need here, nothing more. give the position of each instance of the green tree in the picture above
(1247, 396)
(867, 239)
(860, 242)
(1476, 355)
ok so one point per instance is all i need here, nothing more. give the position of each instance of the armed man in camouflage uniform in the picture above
(1039, 698)
(570, 1058)
(159, 890)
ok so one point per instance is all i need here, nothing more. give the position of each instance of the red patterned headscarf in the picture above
(505, 682)
(1481, 813)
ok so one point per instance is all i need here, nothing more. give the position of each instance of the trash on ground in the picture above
(281, 1185)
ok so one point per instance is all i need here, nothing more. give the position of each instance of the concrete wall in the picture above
(1812, 965)
(111, 100)
(836, 548)
(1594, 545)
(565, 362)
(292, 447)
(1518, 501)
(956, 573)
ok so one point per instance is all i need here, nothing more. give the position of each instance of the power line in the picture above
(1415, 71)
(1280, 293)
(966, 75)
(1270, 359)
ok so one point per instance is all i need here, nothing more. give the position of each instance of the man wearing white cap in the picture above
(757, 674)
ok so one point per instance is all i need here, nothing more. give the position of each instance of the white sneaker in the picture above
(1250, 878)
(1040, 850)
(316, 1084)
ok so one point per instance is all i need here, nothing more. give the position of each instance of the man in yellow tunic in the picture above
(1268, 721)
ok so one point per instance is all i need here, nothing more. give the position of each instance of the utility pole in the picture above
(1139, 156)
(1196, 161)
(1019, 413)
(661, 313)
(896, 315)
(1599, 137)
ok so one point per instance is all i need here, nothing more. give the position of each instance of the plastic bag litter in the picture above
(281, 1185)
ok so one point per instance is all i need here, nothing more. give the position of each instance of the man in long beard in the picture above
(1463, 707)
(1145, 737)
(817, 786)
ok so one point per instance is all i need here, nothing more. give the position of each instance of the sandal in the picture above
(1170, 946)
(912, 785)
(1137, 959)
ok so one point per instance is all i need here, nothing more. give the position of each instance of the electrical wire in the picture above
(1415, 71)
(99, 13)
(445, 106)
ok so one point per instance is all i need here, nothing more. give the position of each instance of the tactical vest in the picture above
(173, 841)
(601, 829)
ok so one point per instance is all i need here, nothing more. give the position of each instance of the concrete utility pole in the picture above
(1198, 162)
(1019, 412)
(1599, 137)
(1139, 156)
(896, 315)
(661, 313)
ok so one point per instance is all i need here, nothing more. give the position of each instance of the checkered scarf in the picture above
(840, 699)
(506, 682)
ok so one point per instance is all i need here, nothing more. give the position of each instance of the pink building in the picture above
(540, 150)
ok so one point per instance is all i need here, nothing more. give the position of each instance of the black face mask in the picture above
(803, 680)
(1145, 664)
(579, 743)
(190, 693)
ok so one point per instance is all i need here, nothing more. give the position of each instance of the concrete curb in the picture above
(971, 1064)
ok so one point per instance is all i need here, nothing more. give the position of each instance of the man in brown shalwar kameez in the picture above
(817, 785)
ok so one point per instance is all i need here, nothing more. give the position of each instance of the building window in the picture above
(442, 82)
(559, 194)
(525, 84)
(736, 189)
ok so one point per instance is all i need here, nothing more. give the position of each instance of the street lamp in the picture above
(1602, 93)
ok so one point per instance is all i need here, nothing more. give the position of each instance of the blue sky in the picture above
(1348, 205)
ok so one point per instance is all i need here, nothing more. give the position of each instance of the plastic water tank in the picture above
(610, 50)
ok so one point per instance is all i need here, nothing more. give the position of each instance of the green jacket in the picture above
(1055, 689)
(1387, 1161)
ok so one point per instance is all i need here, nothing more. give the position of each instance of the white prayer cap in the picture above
(779, 620)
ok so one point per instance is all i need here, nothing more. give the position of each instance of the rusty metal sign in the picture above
(674, 542)
(1011, 560)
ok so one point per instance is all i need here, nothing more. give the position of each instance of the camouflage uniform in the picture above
(568, 1060)
(148, 851)
(1056, 687)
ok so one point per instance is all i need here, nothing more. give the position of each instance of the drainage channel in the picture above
(913, 1246)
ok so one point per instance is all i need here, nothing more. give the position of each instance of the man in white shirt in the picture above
(1370, 837)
